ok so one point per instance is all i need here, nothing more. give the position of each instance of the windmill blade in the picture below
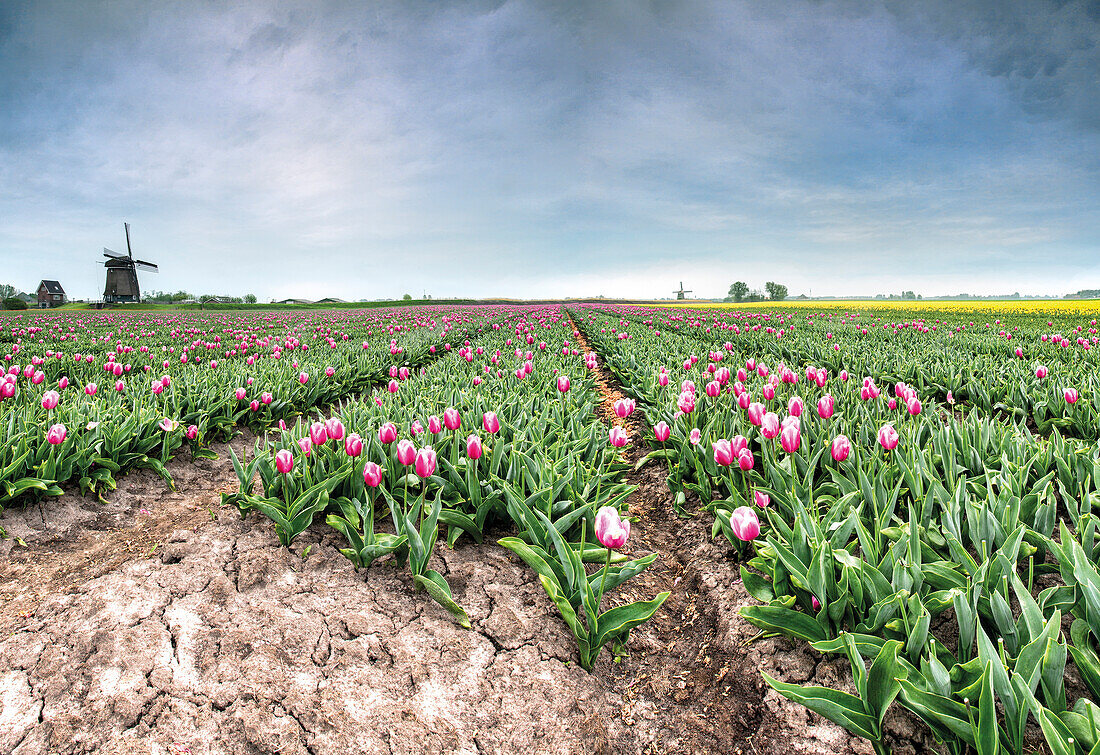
(148, 266)
(113, 255)
(128, 249)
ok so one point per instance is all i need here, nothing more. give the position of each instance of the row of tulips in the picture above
(500, 434)
(864, 525)
(64, 425)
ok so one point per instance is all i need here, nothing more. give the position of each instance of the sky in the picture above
(553, 149)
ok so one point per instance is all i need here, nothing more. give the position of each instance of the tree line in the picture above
(773, 291)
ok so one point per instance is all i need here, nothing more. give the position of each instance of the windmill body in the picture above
(680, 293)
(122, 281)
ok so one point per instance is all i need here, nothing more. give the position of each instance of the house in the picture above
(331, 300)
(294, 301)
(50, 294)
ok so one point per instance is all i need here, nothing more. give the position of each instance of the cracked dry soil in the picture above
(158, 622)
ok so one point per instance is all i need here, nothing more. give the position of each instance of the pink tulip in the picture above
(305, 444)
(661, 431)
(425, 462)
(756, 413)
(335, 428)
(392, 386)
(913, 406)
(841, 448)
(624, 407)
(473, 447)
(1071, 395)
(888, 437)
(762, 499)
(241, 394)
(844, 375)
(38, 377)
(1041, 371)
(168, 425)
(435, 426)
(686, 402)
(63, 383)
(738, 444)
(1019, 352)
(406, 452)
(713, 388)
(50, 399)
(266, 398)
(120, 386)
(330, 371)
(768, 391)
(611, 530)
(490, 422)
(745, 524)
(7, 390)
(318, 435)
(662, 379)
(451, 419)
(695, 436)
(372, 474)
(745, 460)
(192, 432)
(353, 445)
(254, 405)
(56, 434)
(617, 437)
(795, 406)
(416, 428)
(563, 383)
(790, 438)
(769, 425)
(825, 406)
(387, 433)
(892, 404)
(157, 388)
(723, 452)
(284, 461)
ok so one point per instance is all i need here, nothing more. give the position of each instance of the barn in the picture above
(50, 294)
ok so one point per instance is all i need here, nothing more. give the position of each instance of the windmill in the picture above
(681, 292)
(122, 281)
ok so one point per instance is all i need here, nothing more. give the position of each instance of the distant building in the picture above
(294, 301)
(331, 300)
(50, 294)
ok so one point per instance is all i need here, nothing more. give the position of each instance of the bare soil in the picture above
(158, 622)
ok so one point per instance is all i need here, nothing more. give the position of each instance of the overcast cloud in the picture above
(531, 149)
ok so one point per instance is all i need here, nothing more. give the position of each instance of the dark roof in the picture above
(52, 287)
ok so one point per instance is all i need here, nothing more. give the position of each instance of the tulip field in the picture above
(912, 490)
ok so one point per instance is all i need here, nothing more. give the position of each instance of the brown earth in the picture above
(159, 622)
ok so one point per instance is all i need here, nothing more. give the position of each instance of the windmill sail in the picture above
(122, 281)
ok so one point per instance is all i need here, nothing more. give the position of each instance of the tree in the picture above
(250, 299)
(407, 297)
(776, 291)
(7, 291)
(738, 291)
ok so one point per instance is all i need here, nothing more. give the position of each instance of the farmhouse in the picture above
(50, 294)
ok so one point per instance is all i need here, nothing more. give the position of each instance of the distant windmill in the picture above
(681, 292)
(122, 281)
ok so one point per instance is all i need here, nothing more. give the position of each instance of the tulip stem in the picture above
(603, 580)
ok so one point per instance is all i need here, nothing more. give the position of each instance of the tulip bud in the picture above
(372, 474)
(611, 530)
(353, 445)
(661, 431)
(56, 434)
(425, 462)
(284, 461)
(406, 452)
